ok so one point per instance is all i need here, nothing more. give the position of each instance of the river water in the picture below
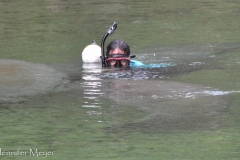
(52, 102)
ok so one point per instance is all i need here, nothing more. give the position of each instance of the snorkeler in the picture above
(117, 54)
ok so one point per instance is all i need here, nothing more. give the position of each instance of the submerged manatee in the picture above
(168, 105)
(19, 78)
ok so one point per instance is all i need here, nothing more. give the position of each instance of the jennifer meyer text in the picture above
(31, 152)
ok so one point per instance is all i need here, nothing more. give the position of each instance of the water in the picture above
(51, 102)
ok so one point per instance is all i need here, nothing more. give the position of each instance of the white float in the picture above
(91, 53)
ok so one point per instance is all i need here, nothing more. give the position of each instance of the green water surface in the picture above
(56, 31)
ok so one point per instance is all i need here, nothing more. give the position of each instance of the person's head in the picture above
(118, 47)
(118, 53)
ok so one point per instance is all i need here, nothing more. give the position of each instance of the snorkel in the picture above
(109, 31)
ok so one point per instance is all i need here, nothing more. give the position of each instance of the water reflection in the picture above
(91, 85)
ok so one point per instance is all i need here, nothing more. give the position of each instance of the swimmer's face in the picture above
(117, 51)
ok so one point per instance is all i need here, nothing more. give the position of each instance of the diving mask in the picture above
(118, 60)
